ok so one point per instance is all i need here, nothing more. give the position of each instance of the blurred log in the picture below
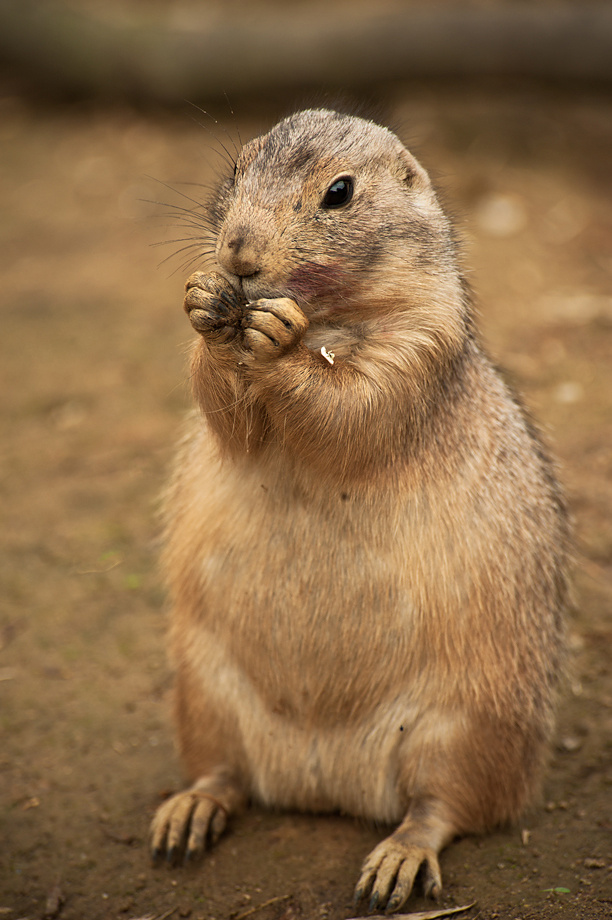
(65, 51)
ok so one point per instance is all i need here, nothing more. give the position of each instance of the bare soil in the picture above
(94, 386)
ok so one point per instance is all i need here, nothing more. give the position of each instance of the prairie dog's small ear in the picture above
(409, 170)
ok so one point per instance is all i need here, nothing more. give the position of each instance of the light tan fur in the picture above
(366, 558)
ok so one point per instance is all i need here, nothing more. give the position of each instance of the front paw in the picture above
(214, 308)
(272, 328)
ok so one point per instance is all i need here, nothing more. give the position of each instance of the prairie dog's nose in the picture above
(238, 254)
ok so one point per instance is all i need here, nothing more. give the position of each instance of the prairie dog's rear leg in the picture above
(389, 872)
(188, 821)
(481, 778)
(211, 751)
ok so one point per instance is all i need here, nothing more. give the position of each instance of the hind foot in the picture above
(185, 824)
(389, 872)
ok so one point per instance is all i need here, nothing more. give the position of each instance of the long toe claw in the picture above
(156, 854)
(191, 856)
(218, 824)
(433, 877)
(171, 855)
(434, 892)
(387, 877)
(179, 823)
(159, 830)
(368, 874)
(200, 822)
(404, 881)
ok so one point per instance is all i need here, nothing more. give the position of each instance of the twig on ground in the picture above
(421, 914)
(253, 910)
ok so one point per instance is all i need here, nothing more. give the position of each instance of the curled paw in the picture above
(184, 825)
(273, 327)
(389, 872)
(214, 308)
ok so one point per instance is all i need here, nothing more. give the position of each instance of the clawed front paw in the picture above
(389, 872)
(184, 825)
(215, 309)
(272, 328)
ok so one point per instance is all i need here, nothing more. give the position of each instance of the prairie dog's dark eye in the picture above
(339, 193)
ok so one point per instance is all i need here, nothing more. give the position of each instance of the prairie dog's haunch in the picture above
(365, 540)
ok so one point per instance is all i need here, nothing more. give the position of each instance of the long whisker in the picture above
(191, 246)
(198, 204)
(225, 131)
(235, 122)
(191, 239)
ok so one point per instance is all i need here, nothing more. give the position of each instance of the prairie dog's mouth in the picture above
(254, 288)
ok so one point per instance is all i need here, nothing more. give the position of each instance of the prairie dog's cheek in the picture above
(313, 279)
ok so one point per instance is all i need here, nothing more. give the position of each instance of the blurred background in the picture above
(104, 133)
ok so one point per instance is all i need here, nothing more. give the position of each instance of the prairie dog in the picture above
(365, 541)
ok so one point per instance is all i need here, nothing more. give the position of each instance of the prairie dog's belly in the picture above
(308, 603)
(327, 594)
(351, 766)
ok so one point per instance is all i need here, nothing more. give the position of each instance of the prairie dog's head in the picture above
(322, 208)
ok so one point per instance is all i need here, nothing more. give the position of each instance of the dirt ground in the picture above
(94, 384)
